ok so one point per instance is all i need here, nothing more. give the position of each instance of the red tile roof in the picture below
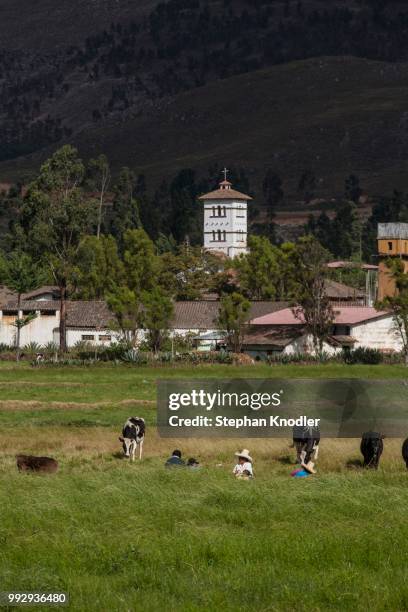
(79, 313)
(276, 337)
(225, 193)
(340, 291)
(201, 314)
(349, 315)
(53, 289)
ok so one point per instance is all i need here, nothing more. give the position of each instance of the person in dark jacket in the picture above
(175, 459)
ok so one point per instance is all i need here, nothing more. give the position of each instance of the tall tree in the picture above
(184, 211)
(56, 216)
(272, 191)
(258, 270)
(141, 264)
(99, 268)
(352, 189)
(398, 303)
(307, 185)
(233, 318)
(127, 308)
(187, 273)
(312, 304)
(21, 274)
(158, 310)
(346, 232)
(99, 176)
(286, 284)
(125, 210)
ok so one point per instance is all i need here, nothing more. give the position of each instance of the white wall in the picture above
(77, 335)
(378, 334)
(234, 223)
(45, 328)
(40, 330)
(304, 344)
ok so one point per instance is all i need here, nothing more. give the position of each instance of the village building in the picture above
(392, 244)
(225, 220)
(198, 318)
(93, 322)
(353, 327)
(273, 327)
(86, 321)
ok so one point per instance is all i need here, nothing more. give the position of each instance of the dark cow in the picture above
(29, 463)
(306, 441)
(371, 448)
(133, 435)
(405, 452)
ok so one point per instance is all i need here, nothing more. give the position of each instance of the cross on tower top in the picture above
(225, 172)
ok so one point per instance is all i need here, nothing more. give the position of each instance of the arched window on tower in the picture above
(224, 236)
(213, 211)
(213, 236)
(219, 211)
(224, 211)
(219, 236)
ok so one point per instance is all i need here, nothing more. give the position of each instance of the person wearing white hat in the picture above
(243, 468)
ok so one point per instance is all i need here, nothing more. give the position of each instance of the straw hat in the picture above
(244, 454)
(309, 467)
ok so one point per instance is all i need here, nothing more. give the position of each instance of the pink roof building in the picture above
(349, 315)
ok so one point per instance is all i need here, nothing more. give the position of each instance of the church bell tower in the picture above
(225, 219)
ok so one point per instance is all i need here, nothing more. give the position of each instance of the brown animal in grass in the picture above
(29, 463)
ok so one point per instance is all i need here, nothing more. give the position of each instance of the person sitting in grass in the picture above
(243, 468)
(175, 460)
(193, 464)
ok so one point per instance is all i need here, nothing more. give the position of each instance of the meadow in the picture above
(123, 536)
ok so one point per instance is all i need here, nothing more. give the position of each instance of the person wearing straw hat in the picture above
(243, 468)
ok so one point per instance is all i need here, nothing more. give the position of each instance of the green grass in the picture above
(137, 537)
(107, 383)
(119, 536)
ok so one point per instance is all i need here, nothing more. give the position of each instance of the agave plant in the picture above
(51, 348)
(32, 348)
(135, 356)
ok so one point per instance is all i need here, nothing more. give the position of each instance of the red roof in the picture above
(225, 193)
(350, 264)
(349, 315)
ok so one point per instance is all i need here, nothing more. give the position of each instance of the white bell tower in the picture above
(225, 219)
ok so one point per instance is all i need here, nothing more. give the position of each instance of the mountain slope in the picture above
(184, 83)
(51, 24)
(333, 116)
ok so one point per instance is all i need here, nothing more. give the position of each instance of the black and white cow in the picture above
(306, 441)
(371, 448)
(133, 435)
(405, 452)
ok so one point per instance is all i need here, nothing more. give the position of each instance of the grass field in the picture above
(121, 536)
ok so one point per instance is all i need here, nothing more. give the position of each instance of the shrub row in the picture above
(363, 355)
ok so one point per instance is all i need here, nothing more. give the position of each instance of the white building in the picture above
(273, 327)
(225, 220)
(86, 321)
(353, 327)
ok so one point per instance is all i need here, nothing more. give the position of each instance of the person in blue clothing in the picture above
(175, 459)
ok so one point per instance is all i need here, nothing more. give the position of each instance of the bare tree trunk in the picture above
(63, 320)
(98, 230)
(104, 185)
(18, 333)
